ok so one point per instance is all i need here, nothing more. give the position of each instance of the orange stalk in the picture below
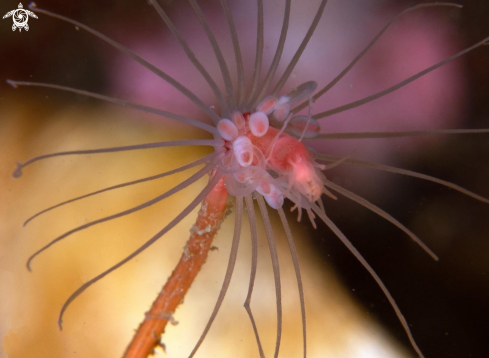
(209, 218)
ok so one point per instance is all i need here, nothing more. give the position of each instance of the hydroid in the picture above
(258, 156)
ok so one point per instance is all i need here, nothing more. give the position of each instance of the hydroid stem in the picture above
(209, 218)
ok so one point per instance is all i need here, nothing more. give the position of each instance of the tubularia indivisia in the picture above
(262, 122)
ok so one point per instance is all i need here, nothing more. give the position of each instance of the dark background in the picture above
(446, 303)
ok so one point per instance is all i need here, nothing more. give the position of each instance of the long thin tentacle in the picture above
(371, 135)
(217, 51)
(177, 85)
(275, 265)
(198, 199)
(410, 173)
(295, 260)
(258, 55)
(300, 50)
(278, 55)
(339, 161)
(191, 56)
(121, 102)
(381, 213)
(398, 85)
(178, 143)
(237, 53)
(205, 159)
(366, 49)
(229, 271)
(148, 203)
(374, 275)
(254, 263)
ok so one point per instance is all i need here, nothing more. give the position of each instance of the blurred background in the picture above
(444, 302)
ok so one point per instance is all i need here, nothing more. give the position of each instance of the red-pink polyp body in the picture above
(262, 158)
(289, 157)
(286, 150)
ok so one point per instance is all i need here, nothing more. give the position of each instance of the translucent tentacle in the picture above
(276, 58)
(153, 177)
(237, 54)
(120, 102)
(295, 260)
(395, 170)
(258, 55)
(182, 89)
(301, 48)
(381, 213)
(365, 50)
(374, 275)
(229, 271)
(275, 266)
(399, 85)
(178, 143)
(191, 56)
(370, 135)
(198, 199)
(254, 263)
(217, 51)
(170, 192)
